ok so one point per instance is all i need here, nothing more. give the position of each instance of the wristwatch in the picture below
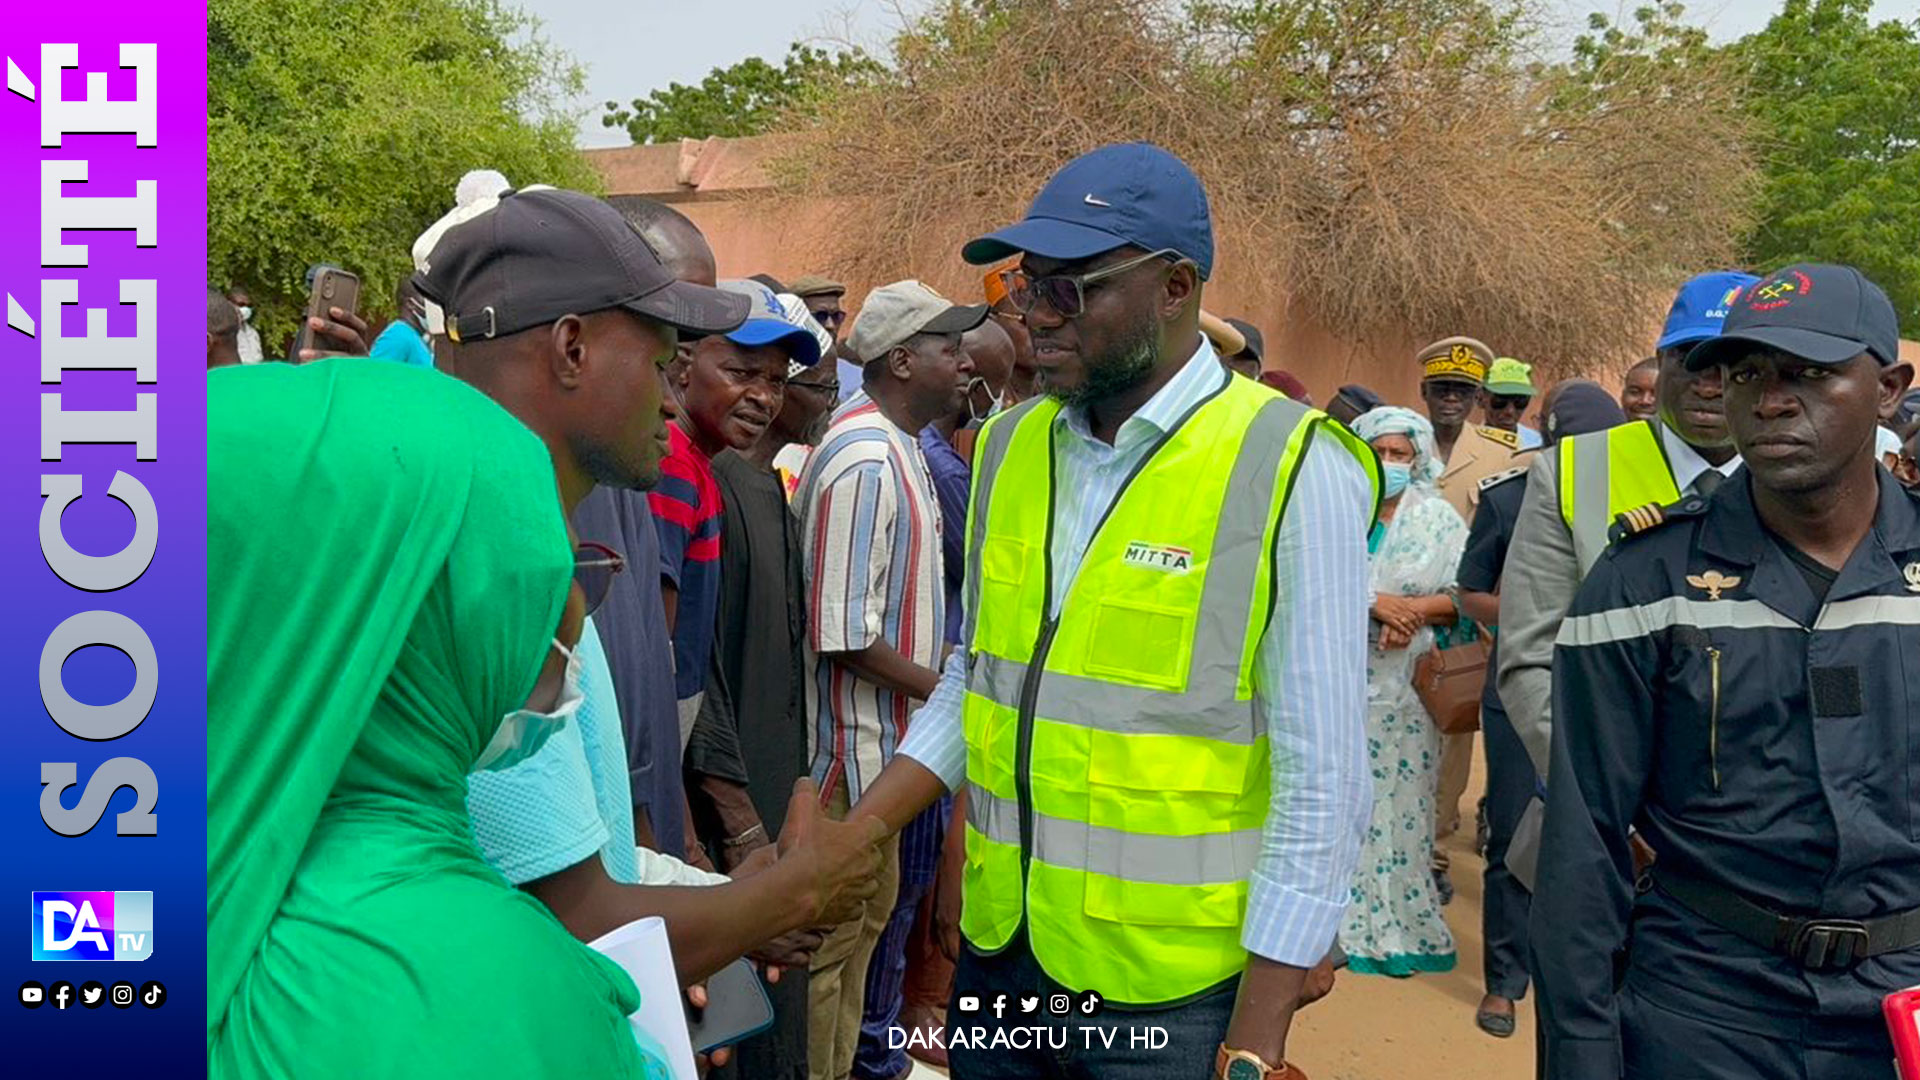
(1245, 1065)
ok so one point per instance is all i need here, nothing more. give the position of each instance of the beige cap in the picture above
(1461, 358)
(893, 313)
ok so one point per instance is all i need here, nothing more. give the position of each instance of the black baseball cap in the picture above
(1819, 312)
(545, 253)
(1256, 345)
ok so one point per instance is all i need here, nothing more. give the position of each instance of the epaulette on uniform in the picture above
(1644, 519)
(1505, 438)
(1502, 477)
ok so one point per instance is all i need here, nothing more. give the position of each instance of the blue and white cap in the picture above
(771, 323)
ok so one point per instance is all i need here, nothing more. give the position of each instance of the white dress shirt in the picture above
(1687, 462)
(1311, 672)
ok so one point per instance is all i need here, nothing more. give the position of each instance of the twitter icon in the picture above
(1029, 1005)
(92, 994)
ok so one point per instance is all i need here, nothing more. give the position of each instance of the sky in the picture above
(632, 48)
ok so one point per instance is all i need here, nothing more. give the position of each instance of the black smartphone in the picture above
(737, 1008)
(327, 287)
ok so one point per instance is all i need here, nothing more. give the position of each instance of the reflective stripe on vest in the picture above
(1128, 723)
(1604, 474)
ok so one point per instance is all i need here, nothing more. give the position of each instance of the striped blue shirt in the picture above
(870, 544)
(1311, 669)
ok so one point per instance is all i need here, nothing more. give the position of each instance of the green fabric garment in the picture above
(387, 562)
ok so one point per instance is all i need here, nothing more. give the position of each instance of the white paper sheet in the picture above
(642, 949)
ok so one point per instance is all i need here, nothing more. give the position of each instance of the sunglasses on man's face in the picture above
(594, 566)
(1507, 401)
(817, 387)
(1066, 294)
(830, 319)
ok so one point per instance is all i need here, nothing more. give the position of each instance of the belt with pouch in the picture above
(1816, 943)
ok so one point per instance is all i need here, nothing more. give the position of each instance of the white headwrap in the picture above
(1394, 420)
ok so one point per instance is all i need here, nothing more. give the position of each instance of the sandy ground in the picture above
(1375, 1028)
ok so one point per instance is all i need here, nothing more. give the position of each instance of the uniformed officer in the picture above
(1453, 372)
(1734, 678)
(1570, 408)
(1574, 493)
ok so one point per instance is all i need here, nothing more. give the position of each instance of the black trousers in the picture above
(1659, 1043)
(1504, 914)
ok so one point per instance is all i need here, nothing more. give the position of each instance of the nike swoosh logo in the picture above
(1091, 201)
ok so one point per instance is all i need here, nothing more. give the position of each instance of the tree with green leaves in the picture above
(1835, 98)
(747, 98)
(337, 130)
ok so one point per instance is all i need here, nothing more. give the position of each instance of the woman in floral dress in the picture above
(1394, 925)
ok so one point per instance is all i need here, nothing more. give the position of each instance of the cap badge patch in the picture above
(1778, 292)
(1460, 354)
(1713, 581)
(1091, 201)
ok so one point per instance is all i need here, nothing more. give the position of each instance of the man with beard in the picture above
(633, 621)
(1574, 494)
(1733, 678)
(1157, 711)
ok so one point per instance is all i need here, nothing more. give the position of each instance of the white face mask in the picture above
(523, 732)
(975, 416)
(246, 313)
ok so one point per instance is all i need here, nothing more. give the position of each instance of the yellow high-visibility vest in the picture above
(1604, 474)
(1117, 771)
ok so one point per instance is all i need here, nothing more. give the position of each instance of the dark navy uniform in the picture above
(1510, 775)
(1766, 742)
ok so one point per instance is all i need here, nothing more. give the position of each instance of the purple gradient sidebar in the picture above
(156, 1034)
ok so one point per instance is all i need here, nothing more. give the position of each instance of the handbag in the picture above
(1449, 683)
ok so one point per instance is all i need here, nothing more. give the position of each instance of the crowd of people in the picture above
(963, 656)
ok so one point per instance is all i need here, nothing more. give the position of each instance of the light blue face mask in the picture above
(523, 732)
(1394, 478)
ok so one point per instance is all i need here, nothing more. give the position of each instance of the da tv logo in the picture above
(92, 925)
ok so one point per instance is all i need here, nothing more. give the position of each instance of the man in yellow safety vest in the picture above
(1157, 708)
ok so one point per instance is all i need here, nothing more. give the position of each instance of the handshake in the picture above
(826, 869)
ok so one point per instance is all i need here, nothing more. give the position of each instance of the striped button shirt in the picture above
(870, 538)
(1310, 667)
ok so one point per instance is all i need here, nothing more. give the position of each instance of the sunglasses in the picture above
(1507, 401)
(594, 566)
(824, 388)
(830, 319)
(1066, 294)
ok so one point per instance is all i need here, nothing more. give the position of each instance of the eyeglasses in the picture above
(824, 388)
(594, 566)
(1066, 294)
(1507, 401)
(830, 319)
